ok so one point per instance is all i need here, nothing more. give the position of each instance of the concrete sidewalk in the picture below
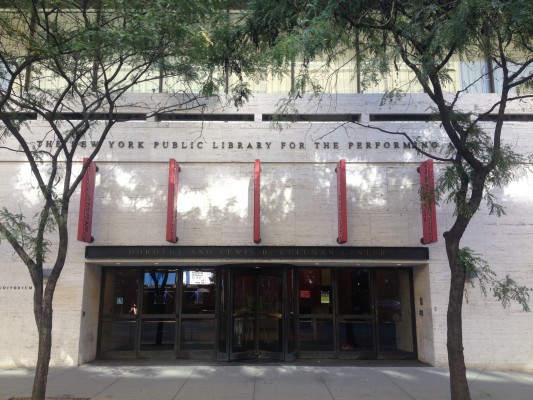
(306, 380)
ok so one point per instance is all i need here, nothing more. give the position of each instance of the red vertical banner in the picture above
(341, 202)
(85, 220)
(172, 201)
(427, 202)
(257, 201)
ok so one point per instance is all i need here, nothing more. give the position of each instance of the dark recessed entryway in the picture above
(268, 311)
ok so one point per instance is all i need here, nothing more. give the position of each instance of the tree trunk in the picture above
(456, 361)
(44, 351)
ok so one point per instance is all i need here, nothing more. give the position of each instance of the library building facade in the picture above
(228, 236)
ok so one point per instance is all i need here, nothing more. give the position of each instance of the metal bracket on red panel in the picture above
(85, 219)
(341, 202)
(172, 201)
(427, 202)
(257, 201)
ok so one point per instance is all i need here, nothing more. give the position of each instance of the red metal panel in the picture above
(341, 202)
(172, 201)
(427, 202)
(257, 201)
(85, 220)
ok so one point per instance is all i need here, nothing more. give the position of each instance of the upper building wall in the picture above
(298, 207)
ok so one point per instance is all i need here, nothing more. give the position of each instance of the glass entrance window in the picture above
(158, 318)
(375, 314)
(315, 330)
(151, 312)
(355, 305)
(158, 334)
(257, 315)
(159, 292)
(119, 310)
(292, 313)
(244, 312)
(198, 300)
(198, 296)
(394, 313)
(120, 292)
(270, 313)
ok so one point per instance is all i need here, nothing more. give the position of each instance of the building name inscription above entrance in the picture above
(256, 253)
(242, 145)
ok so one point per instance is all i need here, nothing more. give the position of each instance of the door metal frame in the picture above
(171, 317)
(256, 271)
(391, 355)
(289, 323)
(375, 353)
(372, 317)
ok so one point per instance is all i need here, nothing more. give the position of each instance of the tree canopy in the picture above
(424, 35)
(69, 66)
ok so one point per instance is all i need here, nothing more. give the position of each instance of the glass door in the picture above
(315, 313)
(158, 313)
(356, 323)
(119, 312)
(257, 314)
(375, 314)
(270, 316)
(197, 319)
(394, 316)
(243, 316)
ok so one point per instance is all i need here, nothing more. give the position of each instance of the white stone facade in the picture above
(298, 208)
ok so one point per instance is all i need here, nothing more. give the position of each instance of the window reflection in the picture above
(159, 291)
(118, 335)
(198, 309)
(354, 293)
(394, 311)
(315, 291)
(199, 295)
(120, 291)
(347, 312)
(157, 334)
(316, 334)
(356, 328)
(315, 325)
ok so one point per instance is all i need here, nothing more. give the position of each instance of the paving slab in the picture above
(301, 380)
(349, 383)
(500, 385)
(275, 383)
(420, 383)
(219, 383)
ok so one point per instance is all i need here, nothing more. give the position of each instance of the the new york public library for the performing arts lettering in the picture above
(218, 237)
